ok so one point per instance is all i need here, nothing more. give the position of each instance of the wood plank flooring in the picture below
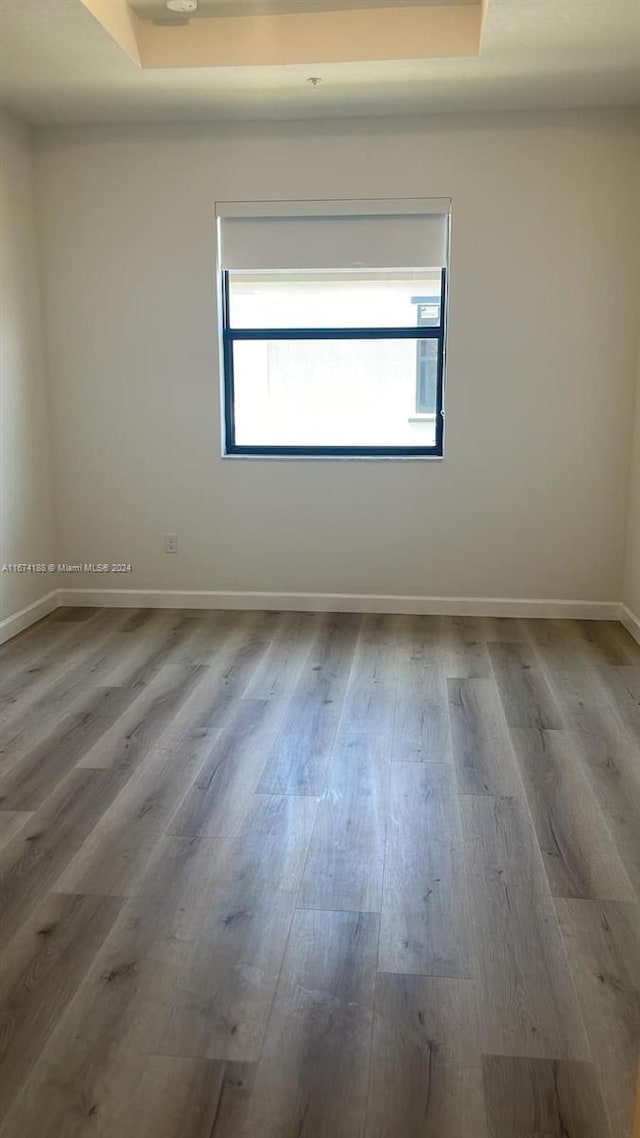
(296, 875)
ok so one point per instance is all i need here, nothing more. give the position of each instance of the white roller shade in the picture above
(265, 236)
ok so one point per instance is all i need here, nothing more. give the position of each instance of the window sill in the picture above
(334, 457)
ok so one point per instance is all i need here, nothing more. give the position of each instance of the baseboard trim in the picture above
(319, 602)
(18, 621)
(342, 602)
(630, 621)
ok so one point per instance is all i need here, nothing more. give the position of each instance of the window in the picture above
(333, 328)
(427, 355)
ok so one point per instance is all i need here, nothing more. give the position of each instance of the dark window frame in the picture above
(420, 332)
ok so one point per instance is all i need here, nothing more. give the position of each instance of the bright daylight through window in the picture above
(333, 323)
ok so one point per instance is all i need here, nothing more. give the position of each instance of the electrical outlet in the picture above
(171, 543)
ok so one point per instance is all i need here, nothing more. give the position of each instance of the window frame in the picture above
(418, 332)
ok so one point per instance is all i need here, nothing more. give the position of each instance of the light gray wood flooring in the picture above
(294, 875)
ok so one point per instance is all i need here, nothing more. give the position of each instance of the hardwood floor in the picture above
(295, 875)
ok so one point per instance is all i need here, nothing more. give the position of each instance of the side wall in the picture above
(631, 593)
(530, 499)
(631, 588)
(26, 499)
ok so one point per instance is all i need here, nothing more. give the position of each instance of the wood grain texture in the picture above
(421, 728)
(482, 749)
(235, 647)
(582, 642)
(34, 651)
(126, 740)
(603, 941)
(10, 822)
(424, 928)
(294, 875)
(217, 804)
(346, 856)
(608, 756)
(41, 969)
(30, 644)
(524, 692)
(580, 858)
(279, 671)
(32, 861)
(528, 1005)
(45, 689)
(506, 629)
(623, 687)
(184, 1098)
(75, 614)
(370, 699)
(143, 650)
(95, 1057)
(30, 782)
(319, 1033)
(426, 1074)
(116, 852)
(225, 982)
(529, 1098)
(614, 645)
(226, 654)
(300, 756)
(463, 647)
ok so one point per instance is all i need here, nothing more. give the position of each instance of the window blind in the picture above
(280, 236)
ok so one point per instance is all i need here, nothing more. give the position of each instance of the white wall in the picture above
(26, 511)
(631, 592)
(530, 500)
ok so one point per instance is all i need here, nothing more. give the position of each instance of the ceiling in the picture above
(58, 63)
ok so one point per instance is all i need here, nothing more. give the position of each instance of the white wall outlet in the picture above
(171, 543)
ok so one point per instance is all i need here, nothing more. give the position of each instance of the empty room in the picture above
(319, 568)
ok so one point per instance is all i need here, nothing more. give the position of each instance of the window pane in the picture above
(389, 299)
(330, 393)
(427, 375)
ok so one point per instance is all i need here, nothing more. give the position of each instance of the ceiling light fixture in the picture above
(182, 6)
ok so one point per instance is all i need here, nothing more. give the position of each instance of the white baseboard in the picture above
(630, 621)
(18, 621)
(320, 602)
(342, 602)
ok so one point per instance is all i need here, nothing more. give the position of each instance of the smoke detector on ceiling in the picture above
(184, 7)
